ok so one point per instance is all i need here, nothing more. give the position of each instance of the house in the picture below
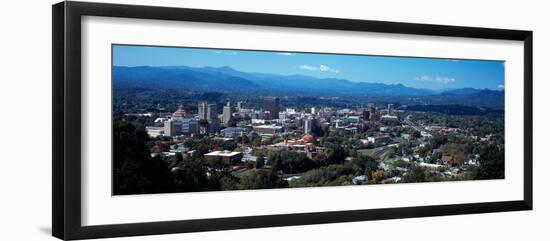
(379, 139)
(447, 160)
(358, 180)
(429, 165)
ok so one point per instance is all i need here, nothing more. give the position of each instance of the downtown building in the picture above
(229, 157)
(226, 114)
(273, 106)
(181, 124)
(208, 113)
(268, 130)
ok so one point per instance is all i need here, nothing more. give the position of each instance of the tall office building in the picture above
(172, 128)
(372, 110)
(313, 111)
(365, 115)
(239, 106)
(212, 118)
(203, 127)
(272, 105)
(226, 114)
(189, 126)
(308, 123)
(211, 111)
(213, 125)
(391, 111)
(202, 110)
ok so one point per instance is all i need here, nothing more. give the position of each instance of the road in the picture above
(377, 152)
(411, 124)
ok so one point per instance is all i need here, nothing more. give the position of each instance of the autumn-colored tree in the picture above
(378, 176)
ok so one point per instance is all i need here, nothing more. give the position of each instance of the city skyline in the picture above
(416, 72)
(182, 127)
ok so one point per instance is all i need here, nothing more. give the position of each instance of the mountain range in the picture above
(229, 80)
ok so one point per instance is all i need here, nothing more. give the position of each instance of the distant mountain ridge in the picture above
(229, 80)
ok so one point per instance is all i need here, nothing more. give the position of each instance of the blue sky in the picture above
(427, 73)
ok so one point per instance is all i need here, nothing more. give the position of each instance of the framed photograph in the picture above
(169, 120)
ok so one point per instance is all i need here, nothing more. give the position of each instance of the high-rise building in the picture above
(202, 110)
(211, 111)
(203, 127)
(172, 128)
(189, 126)
(212, 118)
(272, 105)
(365, 115)
(372, 110)
(239, 106)
(391, 111)
(213, 125)
(226, 114)
(308, 123)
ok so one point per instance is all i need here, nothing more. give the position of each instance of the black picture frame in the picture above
(66, 75)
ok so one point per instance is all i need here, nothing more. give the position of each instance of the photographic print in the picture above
(202, 119)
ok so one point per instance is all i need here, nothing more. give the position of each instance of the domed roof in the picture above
(308, 138)
(180, 112)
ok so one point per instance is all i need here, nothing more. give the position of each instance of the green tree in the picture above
(249, 164)
(260, 161)
(415, 174)
(335, 154)
(332, 175)
(134, 171)
(190, 176)
(229, 183)
(367, 165)
(416, 134)
(391, 152)
(218, 169)
(260, 179)
(491, 163)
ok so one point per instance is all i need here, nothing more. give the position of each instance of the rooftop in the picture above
(223, 153)
(269, 126)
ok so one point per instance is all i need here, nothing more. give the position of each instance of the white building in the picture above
(268, 129)
(429, 165)
(308, 123)
(257, 121)
(154, 131)
(172, 128)
(226, 114)
(282, 115)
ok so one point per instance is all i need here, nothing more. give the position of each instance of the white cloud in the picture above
(500, 87)
(286, 54)
(436, 79)
(322, 68)
(229, 52)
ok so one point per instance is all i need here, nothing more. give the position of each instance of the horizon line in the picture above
(319, 78)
